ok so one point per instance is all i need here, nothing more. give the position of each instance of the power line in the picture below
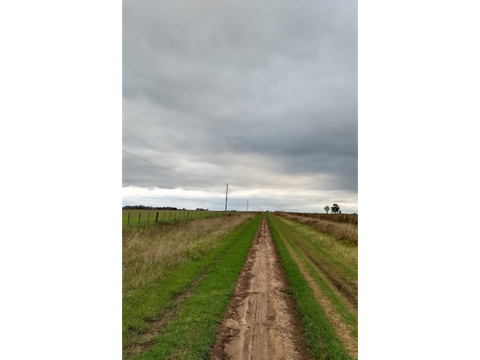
(165, 154)
(138, 157)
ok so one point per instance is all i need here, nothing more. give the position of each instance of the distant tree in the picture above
(335, 208)
(327, 208)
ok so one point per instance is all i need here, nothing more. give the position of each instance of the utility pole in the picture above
(226, 198)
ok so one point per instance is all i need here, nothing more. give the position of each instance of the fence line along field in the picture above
(240, 287)
(148, 217)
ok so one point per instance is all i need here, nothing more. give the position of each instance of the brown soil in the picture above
(261, 321)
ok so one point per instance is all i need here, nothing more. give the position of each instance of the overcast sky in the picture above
(262, 95)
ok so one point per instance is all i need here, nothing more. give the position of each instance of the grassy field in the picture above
(167, 275)
(324, 277)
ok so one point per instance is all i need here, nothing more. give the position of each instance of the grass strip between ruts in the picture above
(347, 317)
(194, 331)
(322, 340)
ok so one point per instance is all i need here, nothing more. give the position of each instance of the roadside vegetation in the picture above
(177, 280)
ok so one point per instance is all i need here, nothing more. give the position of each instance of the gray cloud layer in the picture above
(260, 94)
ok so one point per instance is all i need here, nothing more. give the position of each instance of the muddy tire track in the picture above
(261, 321)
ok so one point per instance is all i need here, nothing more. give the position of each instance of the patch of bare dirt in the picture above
(261, 321)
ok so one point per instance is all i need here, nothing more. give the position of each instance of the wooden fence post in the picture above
(156, 218)
(169, 215)
(139, 217)
(128, 221)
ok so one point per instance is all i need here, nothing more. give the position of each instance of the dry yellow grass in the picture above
(148, 253)
(343, 218)
(341, 231)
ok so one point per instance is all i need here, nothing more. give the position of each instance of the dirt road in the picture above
(261, 321)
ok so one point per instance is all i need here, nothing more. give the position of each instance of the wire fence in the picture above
(139, 218)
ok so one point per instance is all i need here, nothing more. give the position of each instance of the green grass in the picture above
(347, 317)
(344, 255)
(330, 256)
(322, 340)
(192, 333)
(159, 265)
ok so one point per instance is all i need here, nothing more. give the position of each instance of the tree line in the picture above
(142, 207)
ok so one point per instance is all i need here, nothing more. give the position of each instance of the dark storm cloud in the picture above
(258, 93)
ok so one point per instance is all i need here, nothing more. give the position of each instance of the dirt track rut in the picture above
(261, 321)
